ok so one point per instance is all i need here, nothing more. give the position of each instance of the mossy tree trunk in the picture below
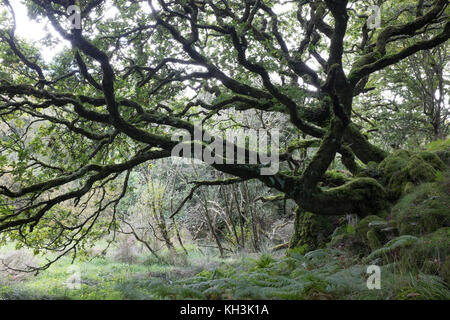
(310, 231)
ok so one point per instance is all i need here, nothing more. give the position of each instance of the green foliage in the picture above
(264, 261)
(373, 238)
(442, 149)
(365, 224)
(392, 245)
(429, 253)
(432, 159)
(423, 287)
(425, 209)
(311, 231)
(401, 170)
(319, 274)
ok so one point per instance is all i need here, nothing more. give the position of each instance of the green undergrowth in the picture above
(102, 278)
(412, 237)
(321, 274)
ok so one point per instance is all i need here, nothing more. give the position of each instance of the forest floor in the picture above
(321, 274)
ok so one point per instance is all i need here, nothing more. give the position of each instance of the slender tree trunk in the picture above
(241, 217)
(177, 232)
(211, 226)
(249, 208)
(228, 201)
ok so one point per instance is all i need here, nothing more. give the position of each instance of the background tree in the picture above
(412, 106)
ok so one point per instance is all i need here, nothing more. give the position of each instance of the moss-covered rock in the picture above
(392, 164)
(368, 232)
(432, 159)
(373, 238)
(371, 170)
(425, 209)
(393, 174)
(365, 225)
(402, 170)
(420, 171)
(349, 242)
(441, 148)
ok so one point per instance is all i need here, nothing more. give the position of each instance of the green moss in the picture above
(397, 183)
(391, 165)
(408, 187)
(366, 195)
(429, 254)
(425, 209)
(365, 225)
(368, 232)
(371, 170)
(401, 171)
(311, 231)
(374, 241)
(441, 148)
(420, 171)
(444, 271)
(334, 178)
(433, 160)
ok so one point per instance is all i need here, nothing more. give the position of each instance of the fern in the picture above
(398, 242)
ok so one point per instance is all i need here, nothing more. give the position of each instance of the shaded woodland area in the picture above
(94, 204)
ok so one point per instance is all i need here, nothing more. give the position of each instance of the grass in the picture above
(320, 274)
(104, 278)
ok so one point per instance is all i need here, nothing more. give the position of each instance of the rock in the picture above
(420, 171)
(401, 171)
(424, 210)
(374, 241)
(433, 159)
(365, 225)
